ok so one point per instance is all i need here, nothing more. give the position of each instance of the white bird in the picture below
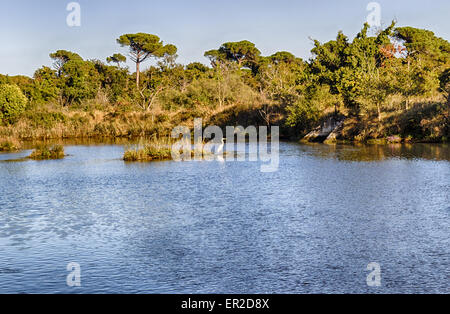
(219, 151)
(220, 148)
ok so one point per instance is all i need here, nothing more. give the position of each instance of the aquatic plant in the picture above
(148, 153)
(45, 152)
(159, 149)
(156, 149)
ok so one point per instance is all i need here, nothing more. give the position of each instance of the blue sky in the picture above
(31, 29)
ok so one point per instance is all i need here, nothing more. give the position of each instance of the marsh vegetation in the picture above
(10, 145)
(155, 150)
(46, 152)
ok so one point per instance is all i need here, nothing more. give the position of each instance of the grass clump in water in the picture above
(160, 149)
(157, 150)
(147, 153)
(45, 152)
(10, 145)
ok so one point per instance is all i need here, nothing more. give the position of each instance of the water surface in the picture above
(211, 227)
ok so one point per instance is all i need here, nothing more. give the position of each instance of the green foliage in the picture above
(221, 87)
(284, 57)
(195, 70)
(282, 82)
(61, 57)
(426, 59)
(81, 81)
(244, 53)
(113, 80)
(424, 44)
(377, 88)
(64, 56)
(12, 103)
(444, 82)
(142, 46)
(24, 83)
(44, 118)
(307, 110)
(45, 152)
(372, 75)
(416, 79)
(116, 58)
(343, 65)
(46, 85)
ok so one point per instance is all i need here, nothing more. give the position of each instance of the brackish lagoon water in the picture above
(211, 227)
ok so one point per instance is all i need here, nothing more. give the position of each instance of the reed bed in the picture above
(10, 145)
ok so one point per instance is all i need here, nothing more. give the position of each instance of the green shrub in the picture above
(12, 103)
(45, 119)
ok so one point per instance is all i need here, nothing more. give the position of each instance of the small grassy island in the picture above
(161, 149)
(45, 152)
(149, 152)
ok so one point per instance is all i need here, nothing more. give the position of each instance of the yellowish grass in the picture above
(10, 145)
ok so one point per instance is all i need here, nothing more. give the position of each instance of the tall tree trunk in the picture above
(137, 73)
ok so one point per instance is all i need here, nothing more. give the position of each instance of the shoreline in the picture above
(107, 140)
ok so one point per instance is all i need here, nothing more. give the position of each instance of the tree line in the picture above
(369, 76)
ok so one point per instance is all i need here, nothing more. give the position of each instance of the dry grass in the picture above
(10, 145)
(422, 122)
(159, 149)
(156, 149)
(147, 153)
(52, 124)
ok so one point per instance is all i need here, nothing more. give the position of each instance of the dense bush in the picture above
(12, 103)
(44, 118)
